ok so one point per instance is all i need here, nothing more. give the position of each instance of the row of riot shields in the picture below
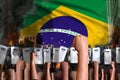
(104, 56)
(52, 54)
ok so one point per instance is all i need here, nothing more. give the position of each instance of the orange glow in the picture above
(58, 65)
(10, 42)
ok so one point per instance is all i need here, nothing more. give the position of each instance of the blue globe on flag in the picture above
(60, 31)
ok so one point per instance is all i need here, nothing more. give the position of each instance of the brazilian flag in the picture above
(58, 21)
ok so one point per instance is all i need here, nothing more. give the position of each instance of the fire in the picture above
(58, 65)
(10, 42)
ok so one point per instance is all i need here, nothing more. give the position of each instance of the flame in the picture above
(10, 42)
(58, 65)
